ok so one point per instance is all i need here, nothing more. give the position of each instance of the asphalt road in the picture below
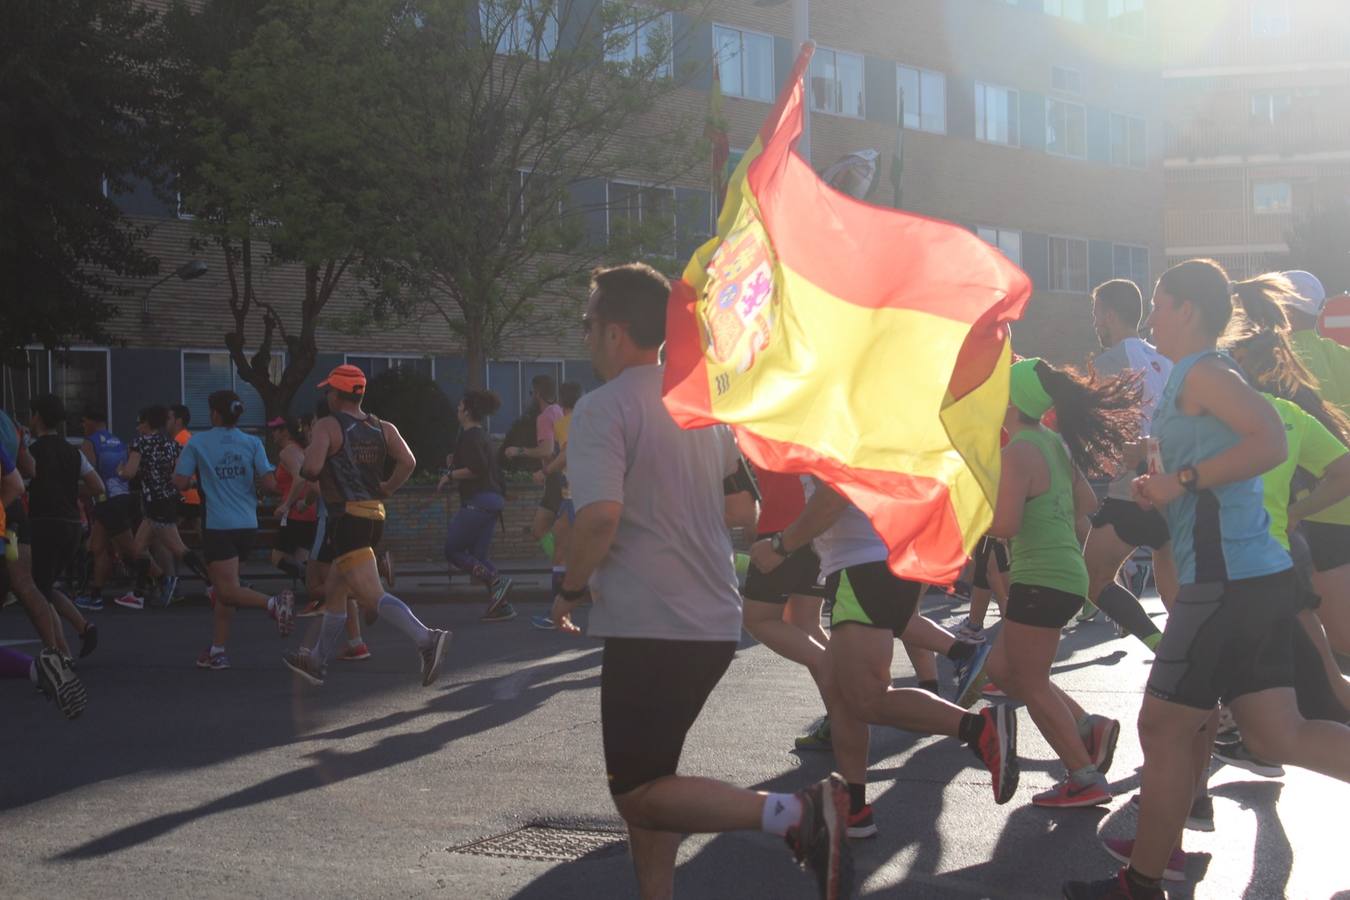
(179, 782)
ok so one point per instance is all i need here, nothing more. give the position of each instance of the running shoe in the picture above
(1088, 612)
(1101, 741)
(499, 591)
(1117, 887)
(992, 690)
(997, 749)
(504, 612)
(861, 824)
(1068, 795)
(1201, 816)
(817, 738)
(352, 654)
(57, 679)
(817, 841)
(384, 564)
(209, 660)
(543, 623)
(969, 632)
(88, 639)
(167, 590)
(1123, 848)
(130, 600)
(10, 600)
(92, 604)
(1237, 754)
(312, 608)
(971, 676)
(304, 665)
(433, 654)
(283, 610)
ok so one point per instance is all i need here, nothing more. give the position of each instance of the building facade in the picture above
(1035, 123)
(1257, 99)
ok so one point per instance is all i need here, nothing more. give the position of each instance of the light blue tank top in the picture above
(1221, 533)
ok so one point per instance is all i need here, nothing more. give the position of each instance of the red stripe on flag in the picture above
(685, 383)
(912, 513)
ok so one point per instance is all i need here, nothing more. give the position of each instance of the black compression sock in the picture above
(1123, 607)
(930, 685)
(857, 797)
(142, 573)
(971, 727)
(290, 568)
(1148, 887)
(961, 651)
(194, 561)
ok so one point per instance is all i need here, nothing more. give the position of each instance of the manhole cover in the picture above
(548, 843)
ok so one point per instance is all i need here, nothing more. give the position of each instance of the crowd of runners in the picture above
(1216, 456)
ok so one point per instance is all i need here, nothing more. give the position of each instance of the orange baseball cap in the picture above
(346, 378)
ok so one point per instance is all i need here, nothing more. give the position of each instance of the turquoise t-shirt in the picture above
(226, 462)
(1221, 533)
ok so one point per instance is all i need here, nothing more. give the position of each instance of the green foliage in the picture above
(421, 411)
(79, 102)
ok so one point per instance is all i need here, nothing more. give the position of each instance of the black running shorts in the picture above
(553, 493)
(1330, 544)
(798, 574)
(349, 533)
(1133, 524)
(1227, 639)
(651, 691)
(1043, 607)
(118, 514)
(295, 536)
(162, 512)
(987, 547)
(189, 511)
(881, 599)
(220, 544)
(55, 543)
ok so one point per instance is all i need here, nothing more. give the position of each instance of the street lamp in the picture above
(193, 268)
(801, 33)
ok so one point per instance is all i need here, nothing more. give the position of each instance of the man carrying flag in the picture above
(793, 326)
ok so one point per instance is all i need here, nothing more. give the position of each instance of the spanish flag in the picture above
(863, 345)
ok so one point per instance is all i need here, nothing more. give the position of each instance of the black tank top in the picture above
(54, 491)
(354, 472)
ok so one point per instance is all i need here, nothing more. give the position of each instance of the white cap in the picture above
(1311, 294)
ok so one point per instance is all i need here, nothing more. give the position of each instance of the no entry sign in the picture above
(1334, 323)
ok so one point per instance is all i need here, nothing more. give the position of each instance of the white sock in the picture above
(781, 812)
(271, 604)
(32, 671)
(396, 612)
(215, 649)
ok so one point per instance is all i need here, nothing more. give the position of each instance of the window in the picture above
(649, 211)
(744, 63)
(996, 114)
(208, 371)
(1270, 18)
(375, 365)
(1070, 81)
(1127, 141)
(1271, 197)
(837, 83)
(521, 26)
(1005, 239)
(1131, 262)
(1125, 17)
(1271, 107)
(77, 375)
(1065, 9)
(1065, 129)
(923, 98)
(635, 41)
(1068, 265)
(511, 378)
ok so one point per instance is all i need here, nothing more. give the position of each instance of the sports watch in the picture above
(1189, 478)
(776, 544)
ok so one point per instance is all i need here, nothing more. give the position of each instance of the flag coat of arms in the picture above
(863, 345)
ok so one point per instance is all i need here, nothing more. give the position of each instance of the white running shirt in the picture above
(1135, 355)
(850, 541)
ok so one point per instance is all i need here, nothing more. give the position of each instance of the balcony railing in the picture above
(1292, 137)
(1224, 227)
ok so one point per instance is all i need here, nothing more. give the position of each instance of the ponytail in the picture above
(1096, 417)
(1261, 302)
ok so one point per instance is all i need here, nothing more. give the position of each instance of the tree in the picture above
(79, 88)
(505, 120)
(275, 169)
(1320, 243)
(421, 411)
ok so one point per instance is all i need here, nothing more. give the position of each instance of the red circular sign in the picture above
(1334, 322)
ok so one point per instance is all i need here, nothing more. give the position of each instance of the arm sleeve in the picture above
(597, 458)
(1320, 448)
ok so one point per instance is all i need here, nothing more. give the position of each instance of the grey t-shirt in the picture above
(670, 573)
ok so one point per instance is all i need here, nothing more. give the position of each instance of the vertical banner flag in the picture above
(863, 345)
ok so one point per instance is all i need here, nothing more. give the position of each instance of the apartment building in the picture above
(1035, 123)
(1257, 101)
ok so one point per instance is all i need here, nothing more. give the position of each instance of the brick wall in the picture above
(417, 517)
